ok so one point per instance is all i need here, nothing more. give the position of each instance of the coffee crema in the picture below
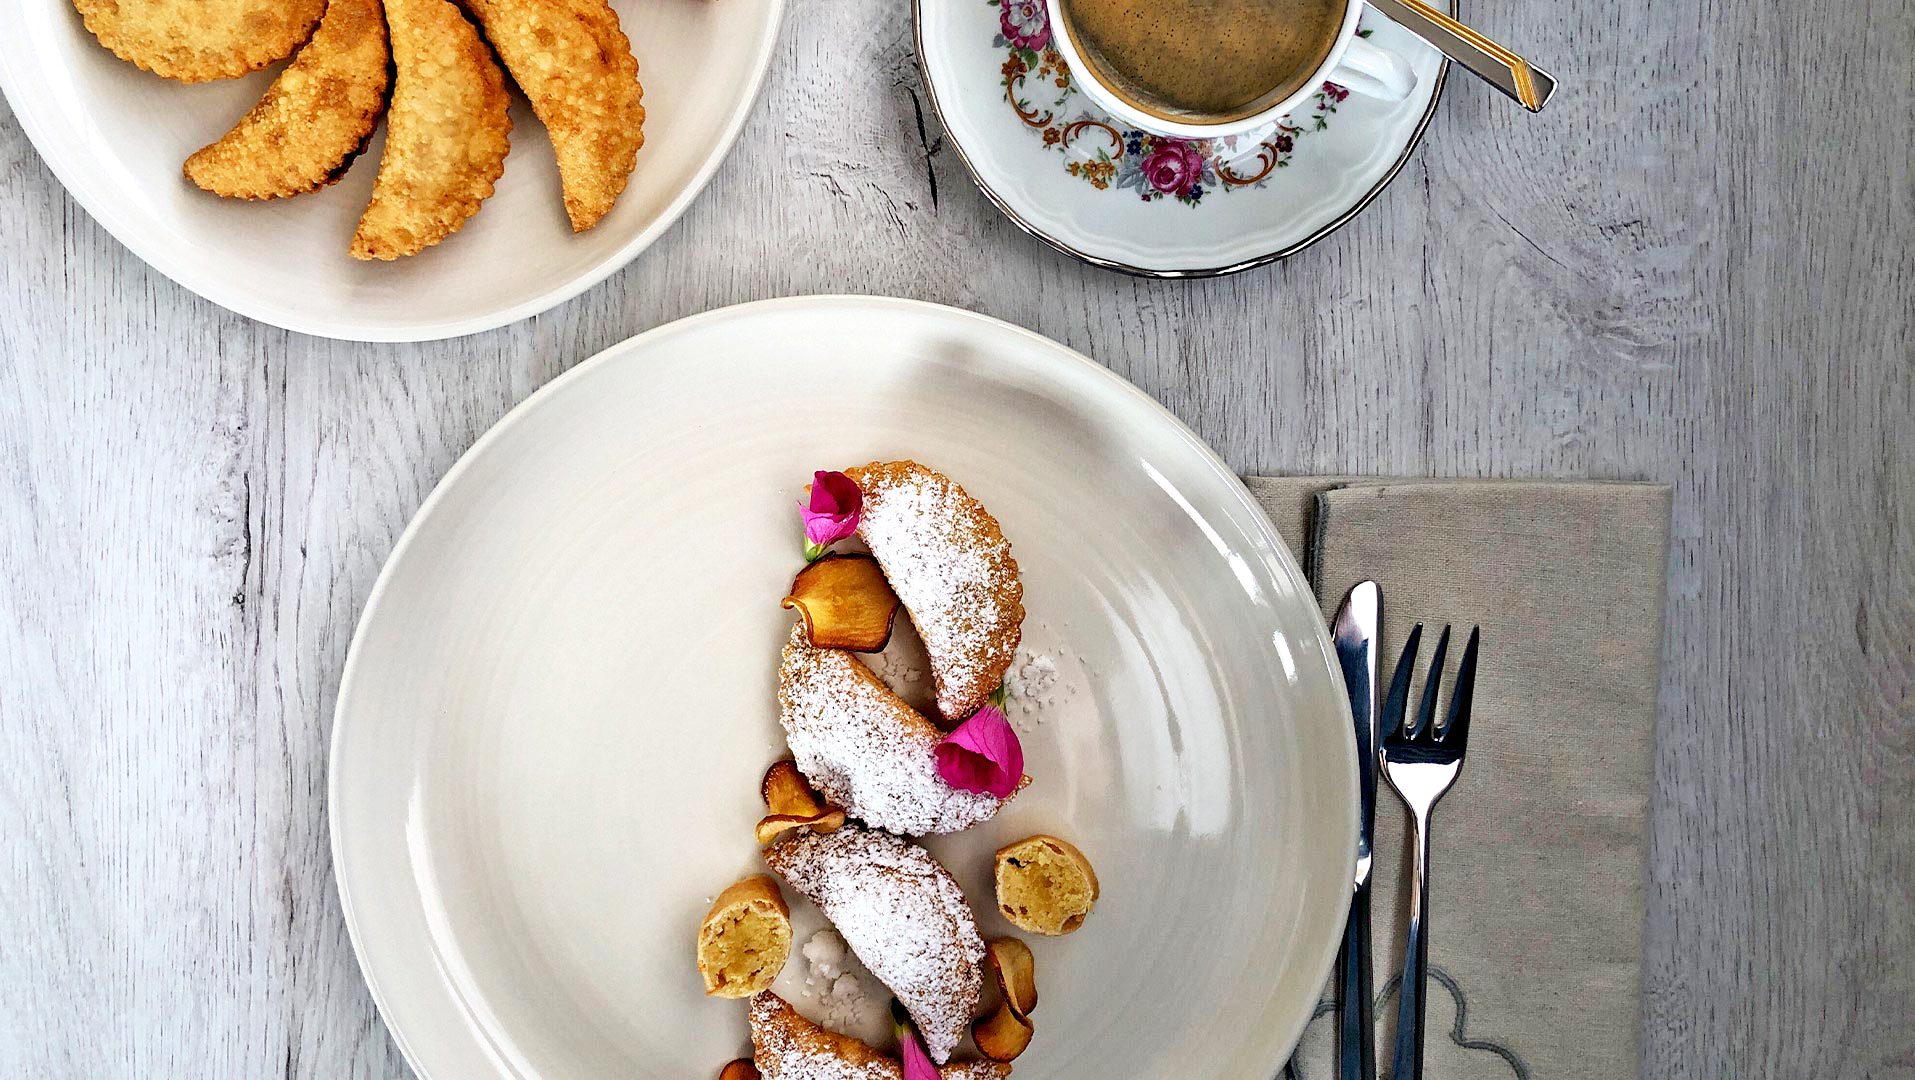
(1203, 61)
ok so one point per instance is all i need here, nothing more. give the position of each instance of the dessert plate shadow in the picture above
(560, 700)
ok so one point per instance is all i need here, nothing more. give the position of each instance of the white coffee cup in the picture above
(1351, 62)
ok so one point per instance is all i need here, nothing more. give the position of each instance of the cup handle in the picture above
(1374, 72)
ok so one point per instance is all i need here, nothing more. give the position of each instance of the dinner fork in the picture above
(1420, 761)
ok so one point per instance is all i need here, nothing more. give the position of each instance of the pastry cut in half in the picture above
(745, 938)
(786, 1046)
(902, 914)
(948, 561)
(864, 748)
(1045, 885)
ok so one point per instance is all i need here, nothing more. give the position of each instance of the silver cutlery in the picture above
(1421, 761)
(1495, 64)
(1357, 622)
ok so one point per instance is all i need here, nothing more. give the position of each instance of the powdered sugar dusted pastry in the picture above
(949, 563)
(902, 914)
(786, 1046)
(864, 748)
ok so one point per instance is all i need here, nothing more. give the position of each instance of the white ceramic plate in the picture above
(561, 697)
(116, 137)
(1066, 173)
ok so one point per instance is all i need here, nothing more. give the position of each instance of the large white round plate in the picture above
(116, 137)
(1065, 172)
(560, 699)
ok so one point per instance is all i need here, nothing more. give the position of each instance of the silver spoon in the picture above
(1496, 65)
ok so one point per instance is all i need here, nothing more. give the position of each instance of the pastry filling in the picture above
(747, 947)
(1043, 888)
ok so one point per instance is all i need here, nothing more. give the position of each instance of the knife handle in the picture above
(1356, 1041)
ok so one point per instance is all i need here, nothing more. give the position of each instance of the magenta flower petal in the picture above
(835, 493)
(917, 1062)
(833, 511)
(982, 755)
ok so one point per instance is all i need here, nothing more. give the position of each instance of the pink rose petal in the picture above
(982, 755)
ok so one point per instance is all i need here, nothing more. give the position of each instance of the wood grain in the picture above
(1697, 267)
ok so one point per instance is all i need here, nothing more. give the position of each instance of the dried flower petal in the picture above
(1003, 1035)
(846, 603)
(794, 804)
(786, 791)
(982, 755)
(772, 826)
(1015, 971)
(1006, 1032)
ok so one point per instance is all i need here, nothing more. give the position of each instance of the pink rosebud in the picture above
(917, 1061)
(1025, 24)
(1174, 166)
(833, 512)
(982, 755)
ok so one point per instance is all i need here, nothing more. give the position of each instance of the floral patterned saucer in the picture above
(1091, 187)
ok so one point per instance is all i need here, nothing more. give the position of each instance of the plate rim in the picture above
(1321, 965)
(1003, 205)
(126, 229)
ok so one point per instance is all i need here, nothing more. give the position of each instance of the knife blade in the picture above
(1357, 624)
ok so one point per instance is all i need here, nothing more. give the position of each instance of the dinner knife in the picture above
(1356, 628)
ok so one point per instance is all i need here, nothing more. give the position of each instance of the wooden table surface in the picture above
(1698, 267)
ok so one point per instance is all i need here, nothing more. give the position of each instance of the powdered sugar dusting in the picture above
(840, 994)
(1037, 682)
(864, 749)
(789, 1047)
(951, 566)
(1032, 682)
(894, 668)
(902, 914)
(781, 1055)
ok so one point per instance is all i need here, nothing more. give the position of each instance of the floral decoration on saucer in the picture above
(1108, 156)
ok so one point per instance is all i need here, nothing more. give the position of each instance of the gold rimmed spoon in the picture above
(1496, 65)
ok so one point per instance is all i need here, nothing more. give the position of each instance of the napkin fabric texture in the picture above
(1539, 851)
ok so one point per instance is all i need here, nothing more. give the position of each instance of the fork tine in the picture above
(1426, 709)
(1399, 699)
(1456, 724)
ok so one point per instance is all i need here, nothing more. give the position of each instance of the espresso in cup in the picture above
(1203, 61)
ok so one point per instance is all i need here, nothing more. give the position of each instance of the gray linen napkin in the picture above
(1537, 886)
